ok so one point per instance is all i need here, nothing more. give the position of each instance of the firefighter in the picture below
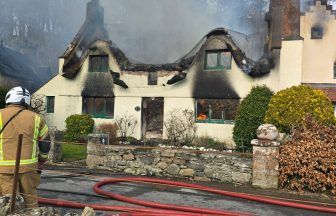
(17, 119)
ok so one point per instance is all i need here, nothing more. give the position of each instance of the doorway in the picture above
(152, 117)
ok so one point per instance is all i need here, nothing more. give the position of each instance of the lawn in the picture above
(72, 152)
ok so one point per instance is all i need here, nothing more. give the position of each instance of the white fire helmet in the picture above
(18, 95)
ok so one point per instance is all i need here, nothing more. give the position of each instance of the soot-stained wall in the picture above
(212, 84)
(98, 84)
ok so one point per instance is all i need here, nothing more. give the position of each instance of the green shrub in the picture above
(77, 127)
(289, 108)
(3, 92)
(250, 116)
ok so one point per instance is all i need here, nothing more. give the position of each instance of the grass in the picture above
(72, 152)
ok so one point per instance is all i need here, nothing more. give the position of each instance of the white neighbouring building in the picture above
(95, 76)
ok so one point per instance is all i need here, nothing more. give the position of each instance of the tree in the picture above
(180, 127)
(126, 125)
(250, 115)
(289, 108)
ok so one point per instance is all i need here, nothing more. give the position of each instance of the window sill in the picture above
(101, 117)
(213, 121)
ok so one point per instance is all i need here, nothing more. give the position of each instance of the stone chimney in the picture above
(283, 21)
(94, 12)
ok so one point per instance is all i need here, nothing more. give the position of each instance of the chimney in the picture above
(94, 12)
(283, 21)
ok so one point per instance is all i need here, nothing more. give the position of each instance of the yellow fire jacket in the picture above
(33, 128)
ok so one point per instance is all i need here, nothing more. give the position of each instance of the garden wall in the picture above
(177, 163)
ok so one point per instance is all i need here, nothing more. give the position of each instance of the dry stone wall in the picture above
(177, 163)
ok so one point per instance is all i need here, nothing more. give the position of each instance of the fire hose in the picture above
(169, 209)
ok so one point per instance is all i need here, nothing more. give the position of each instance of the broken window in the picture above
(50, 104)
(152, 78)
(98, 63)
(316, 32)
(99, 107)
(217, 60)
(216, 111)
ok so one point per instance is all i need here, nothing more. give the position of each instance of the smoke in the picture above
(151, 31)
(162, 31)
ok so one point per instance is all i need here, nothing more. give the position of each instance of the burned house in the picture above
(96, 77)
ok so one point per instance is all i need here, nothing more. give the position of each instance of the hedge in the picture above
(289, 108)
(77, 127)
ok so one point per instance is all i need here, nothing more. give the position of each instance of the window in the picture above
(216, 111)
(98, 63)
(334, 104)
(50, 104)
(152, 78)
(334, 70)
(217, 60)
(98, 107)
(316, 32)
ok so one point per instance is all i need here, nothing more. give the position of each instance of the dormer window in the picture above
(152, 78)
(316, 32)
(98, 63)
(217, 60)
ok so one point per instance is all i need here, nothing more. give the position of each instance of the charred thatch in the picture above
(117, 80)
(178, 77)
(93, 30)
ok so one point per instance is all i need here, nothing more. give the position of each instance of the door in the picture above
(152, 118)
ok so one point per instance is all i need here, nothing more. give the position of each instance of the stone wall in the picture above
(177, 163)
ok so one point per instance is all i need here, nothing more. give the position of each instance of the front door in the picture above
(152, 118)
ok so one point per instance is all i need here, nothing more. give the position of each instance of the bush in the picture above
(250, 116)
(308, 161)
(77, 127)
(126, 125)
(3, 92)
(208, 142)
(110, 129)
(180, 127)
(289, 108)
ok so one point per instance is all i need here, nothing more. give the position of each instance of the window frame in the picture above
(219, 66)
(94, 114)
(152, 78)
(106, 57)
(316, 28)
(48, 108)
(334, 70)
(209, 119)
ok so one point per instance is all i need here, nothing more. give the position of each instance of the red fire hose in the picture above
(168, 209)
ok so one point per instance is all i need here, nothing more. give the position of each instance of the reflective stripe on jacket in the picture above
(33, 128)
